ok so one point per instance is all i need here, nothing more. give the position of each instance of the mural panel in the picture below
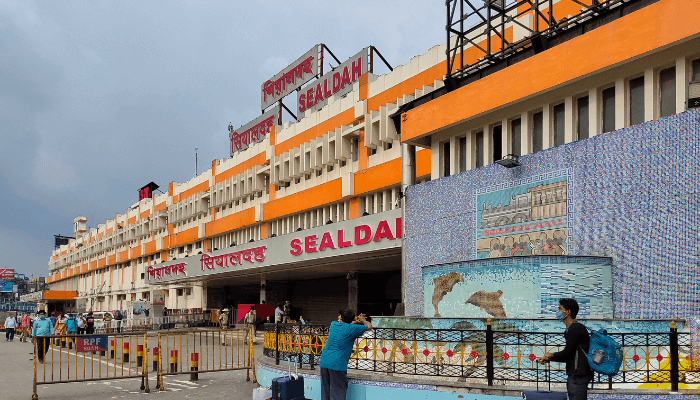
(518, 287)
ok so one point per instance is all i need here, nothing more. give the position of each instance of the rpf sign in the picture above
(92, 343)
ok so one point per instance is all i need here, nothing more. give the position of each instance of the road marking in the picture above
(187, 382)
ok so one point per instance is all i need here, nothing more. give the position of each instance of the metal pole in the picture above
(195, 161)
(489, 353)
(277, 343)
(674, 357)
(408, 178)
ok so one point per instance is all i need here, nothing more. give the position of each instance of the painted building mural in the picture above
(523, 217)
(631, 195)
(518, 287)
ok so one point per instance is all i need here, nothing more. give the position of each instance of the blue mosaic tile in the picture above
(632, 194)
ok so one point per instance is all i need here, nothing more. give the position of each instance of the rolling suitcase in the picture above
(288, 387)
(543, 394)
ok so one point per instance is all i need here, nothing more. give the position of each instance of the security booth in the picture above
(52, 301)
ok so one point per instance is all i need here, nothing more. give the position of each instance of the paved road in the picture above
(16, 381)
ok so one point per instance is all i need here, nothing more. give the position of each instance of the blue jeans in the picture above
(10, 333)
(334, 384)
(577, 387)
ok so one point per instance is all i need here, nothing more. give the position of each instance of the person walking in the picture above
(10, 325)
(90, 324)
(42, 327)
(287, 312)
(26, 324)
(81, 324)
(336, 354)
(578, 372)
(250, 320)
(278, 313)
(107, 322)
(71, 325)
(119, 318)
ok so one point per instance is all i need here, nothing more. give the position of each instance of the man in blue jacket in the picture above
(71, 325)
(336, 354)
(42, 327)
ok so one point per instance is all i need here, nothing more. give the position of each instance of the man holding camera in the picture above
(337, 351)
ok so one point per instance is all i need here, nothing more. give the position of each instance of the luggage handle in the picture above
(546, 369)
(296, 368)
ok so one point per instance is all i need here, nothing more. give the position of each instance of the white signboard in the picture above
(335, 83)
(254, 131)
(289, 79)
(382, 231)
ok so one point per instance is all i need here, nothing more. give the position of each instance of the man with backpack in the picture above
(578, 372)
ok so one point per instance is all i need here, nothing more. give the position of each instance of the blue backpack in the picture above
(604, 354)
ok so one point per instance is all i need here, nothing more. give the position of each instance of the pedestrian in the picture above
(90, 324)
(81, 324)
(336, 354)
(10, 325)
(251, 318)
(223, 318)
(107, 318)
(119, 318)
(26, 324)
(52, 318)
(42, 327)
(287, 312)
(578, 372)
(71, 325)
(278, 313)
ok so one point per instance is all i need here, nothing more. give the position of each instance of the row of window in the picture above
(607, 98)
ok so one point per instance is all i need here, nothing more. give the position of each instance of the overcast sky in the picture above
(99, 98)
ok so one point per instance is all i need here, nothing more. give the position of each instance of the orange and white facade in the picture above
(341, 164)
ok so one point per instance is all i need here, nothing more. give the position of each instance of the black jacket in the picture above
(574, 353)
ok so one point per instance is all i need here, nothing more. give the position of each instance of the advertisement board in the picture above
(7, 273)
(6, 286)
(140, 308)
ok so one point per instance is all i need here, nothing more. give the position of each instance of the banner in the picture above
(90, 344)
(7, 273)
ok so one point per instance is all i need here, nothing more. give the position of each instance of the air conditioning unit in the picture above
(694, 95)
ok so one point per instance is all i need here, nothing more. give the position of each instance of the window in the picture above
(537, 132)
(188, 292)
(462, 154)
(559, 124)
(695, 71)
(179, 292)
(667, 90)
(446, 159)
(479, 149)
(637, 100)
(355, 149)
(609, 109)
(515, 137)
(582, 118)
(497, 135)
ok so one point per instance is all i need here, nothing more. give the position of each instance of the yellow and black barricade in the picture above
(86, 361)
(211, 350)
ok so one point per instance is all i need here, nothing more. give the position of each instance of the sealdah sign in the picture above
(337, 239)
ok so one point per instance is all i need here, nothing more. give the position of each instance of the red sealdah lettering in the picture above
(326, 242)
(359, 231)
(310, 242)
(296, 247)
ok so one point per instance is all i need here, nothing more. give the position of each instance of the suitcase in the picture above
(543, 394)
(288, 387)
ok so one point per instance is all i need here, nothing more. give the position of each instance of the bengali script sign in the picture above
(253, 132)
(337, 82)
(233, 259)
(170, 270)
(289, 79)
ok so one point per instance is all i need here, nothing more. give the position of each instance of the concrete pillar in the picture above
(547, 139)
(650, 103)
(353, 292)
(435, 159)
(172, 299)
(681, 84)
(471, 151)
(488, 146)
(454, 156)
(263, 290)
(408, 179)
(594, 123)
(507, 147)
(526, 134)
(620, 104)
(569, 131)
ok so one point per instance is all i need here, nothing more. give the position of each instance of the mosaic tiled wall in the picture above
(633, 195)
(518, 287)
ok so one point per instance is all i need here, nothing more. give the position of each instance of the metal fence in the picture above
(151, 323)
(85, 358)
(63, 359)
(483, 356)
